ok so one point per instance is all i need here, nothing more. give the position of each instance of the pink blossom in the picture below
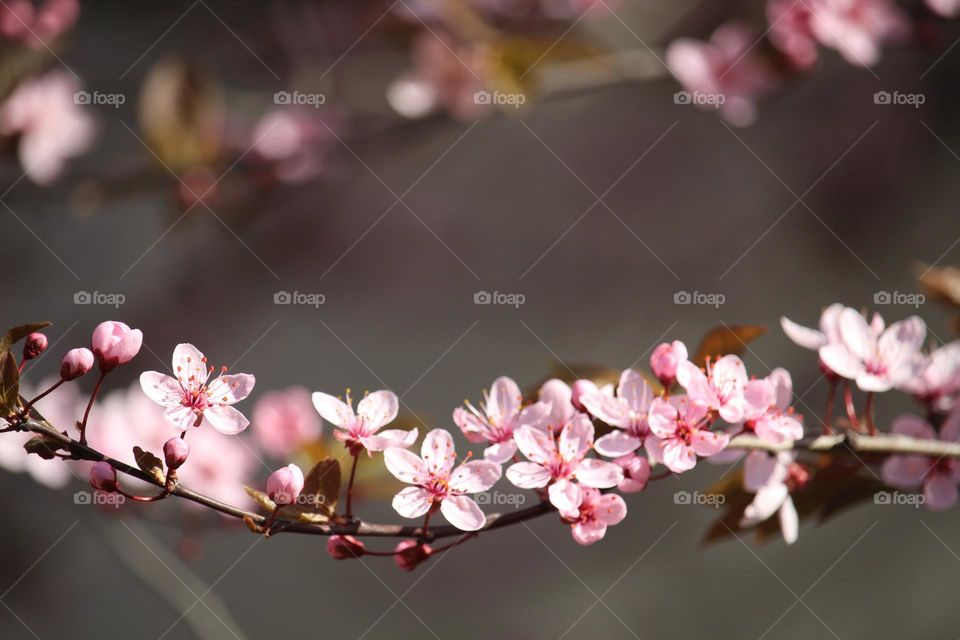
(344, 547)
(682, 429)
(857, 28)
(665, 359)
(295, 141)
(876, 361)
(361, 430)
(50, 126)
(192, 399)
(114, 343)
(939, 477)
(76, 363)
(720, 388)
(284, 421)
(636, 472)
(103, 477)
(627, 411)
(768, 476)
(726, 69)
(946, 8)
(561, 463)
(790, 31)
(597, 512)
(175, 452)
(409, 554)
(499, 415)
(35, 26)
(555, 407)
(584, 387)
(34, 345)
(285, 484)
(437, 483)
(768, 411)
(937, 379)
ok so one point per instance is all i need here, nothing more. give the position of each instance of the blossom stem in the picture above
(831, 400)
(851, 409)
(425, 529)
(868, 414)
(26, 408)
(86, 413)
(353, 474)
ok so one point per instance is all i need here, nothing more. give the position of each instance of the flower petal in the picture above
(610, 509)
(789, 521)
(528, 475)
(189, 365)
(438, 452)
(617, 443)
(841, 361)
(856, 334)
(940, 492)
(472, 427)
(803, 336)
(613, 411)
(635, 390)
(226, 420)
(586, 533)
(161, 388)
(463, 513)
(599, 473)
(390, 438)
(504, 400)
(575, 438)
(412, 502)
(333, 409)
(231, 388)
(905, 472)
(474, 476)
(768, 501)
(405, 466)
(181, 417)
(535, 444)
(566, 497)
(378, 408)
(500, 452)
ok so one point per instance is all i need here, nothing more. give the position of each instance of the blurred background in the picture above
(186, 197)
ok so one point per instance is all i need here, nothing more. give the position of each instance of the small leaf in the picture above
(262, 499)
(9, 385)
(726, 340)
(149, 464)
(321, 491)
(43, 446)
(17, 334)
(253, 526)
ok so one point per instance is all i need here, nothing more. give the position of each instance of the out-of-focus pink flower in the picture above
(636, 472)
(295, 141)
(35, 26)
(597, 512)
(344, 547)
(175, 452)
(877, 362)
(284, 421)
(627, 411)
(813, 339)
(937, 380)
(939, 477)
(682, 431)
(191, 398)
(768, 408)
(946, 8)
(720, 388)
(768, 476)
(76, 363)
(561, 463)
(724, 73)
(500, 414)
(436, 482)
(790, 31)
(285, 484)
(103, 477)
(410, 553)
(361, 430)
(114, 343)
(665, 359)
(583, 387)
(51, 127)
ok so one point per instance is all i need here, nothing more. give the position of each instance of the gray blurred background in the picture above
(707, 209)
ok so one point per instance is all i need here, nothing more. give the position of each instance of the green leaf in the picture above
(9, 385)
(149, 464)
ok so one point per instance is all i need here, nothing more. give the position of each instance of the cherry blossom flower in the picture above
(409, 554)
(937, 380)
(114, 344)
(192, 399)
(285, 484)
(720, 388)
(361, 430)
(665, 359)
(584, 387)
(768, 412)
(344, 547)
(725, 70)
(636, 472)
(597, 512)
(76, 363)
(627, 411)
(876, 361)
(857, 29)
(50, 126)
(790, 31)
(437, 484)
(295, 141)
(284, 421)
(500, 413)
(813, 339)
(946, 8)
(769, 477)
(682, 429)
(939, 477)
(35, 26)
(175, 452)
(561, 463)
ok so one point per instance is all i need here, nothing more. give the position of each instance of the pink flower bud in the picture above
(75, 363)
(114, 343)
(284, 485)
(580, 388)
(410, 553)
(665, 360)
(35, 344)
(175, 452)
(103, 477)
(344, 547)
